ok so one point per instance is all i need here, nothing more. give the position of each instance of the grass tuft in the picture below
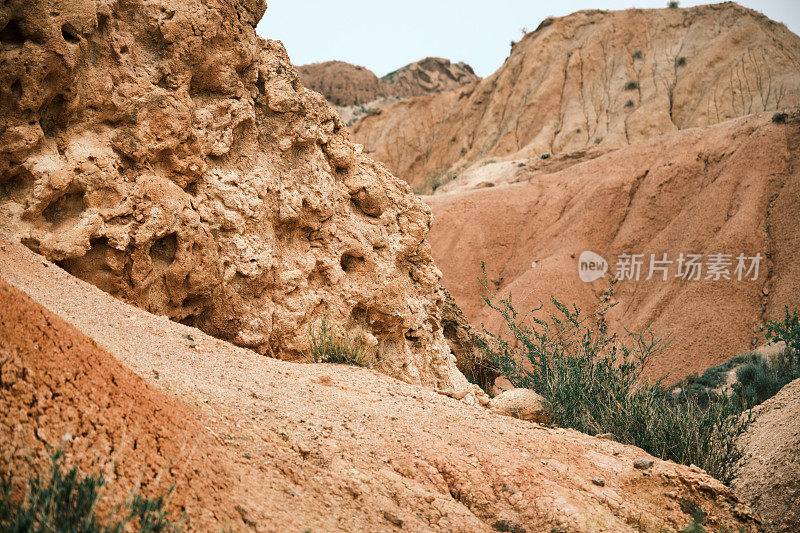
(331, 346)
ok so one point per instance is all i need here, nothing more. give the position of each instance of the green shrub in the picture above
(780, 118)
(66, 503)
(787, 331)
(702, 388)
(696, 525)
(673, 4)
(593, 383)
(760, 380)
(631, 86)
(331, 346)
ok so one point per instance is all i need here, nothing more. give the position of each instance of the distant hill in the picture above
(595, 78)
(343, 84)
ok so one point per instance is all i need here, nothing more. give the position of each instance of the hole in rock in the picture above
(12, 34)
(352, 263)
(50, 115)
(162, 252)
(67, 207)
(94, 267)
(16, 90)
(17, 187)
(31, 244)
(70, 34)
(412, 336)
(358, 315)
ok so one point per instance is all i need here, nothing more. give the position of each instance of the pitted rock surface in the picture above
(165, 153)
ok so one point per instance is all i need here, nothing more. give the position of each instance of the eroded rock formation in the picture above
(344, 84)
(429, 75)
(165, 153)
(607, 78)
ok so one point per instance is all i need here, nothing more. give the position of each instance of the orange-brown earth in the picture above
(731, 188)
(258, 444)
(595, 78)
(166, 155)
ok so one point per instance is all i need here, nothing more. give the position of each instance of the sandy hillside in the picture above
(730, 188)
(768, 478)
(289, 446)
(595, 78)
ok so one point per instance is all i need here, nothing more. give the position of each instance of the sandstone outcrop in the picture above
(429, 75)
(341, 83)
(731, 188)
(595, 78)
(467, 344)
(257, 444)
(768, 477)
(344, 84)
(165, 153)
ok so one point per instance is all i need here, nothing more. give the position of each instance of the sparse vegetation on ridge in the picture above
(436, 180)
(66, 503)
(592, 380)
(779, 118)
(758, 378)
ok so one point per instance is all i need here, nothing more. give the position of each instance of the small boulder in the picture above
(524, 404)
(643, 463)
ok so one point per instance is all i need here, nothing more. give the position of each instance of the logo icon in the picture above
(591, 266)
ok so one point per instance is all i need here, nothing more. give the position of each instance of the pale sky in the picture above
(385, 35)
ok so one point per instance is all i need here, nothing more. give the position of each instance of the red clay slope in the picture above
(731, 188)
(59, 389)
